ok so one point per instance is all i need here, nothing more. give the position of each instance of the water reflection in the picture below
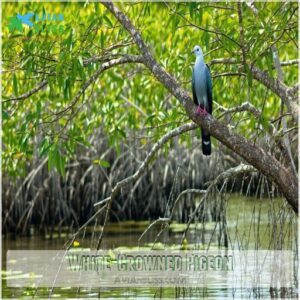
(249, 224)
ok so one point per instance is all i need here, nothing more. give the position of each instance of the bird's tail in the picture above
(206, 143)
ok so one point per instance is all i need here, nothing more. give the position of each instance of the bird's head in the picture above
(197, 51)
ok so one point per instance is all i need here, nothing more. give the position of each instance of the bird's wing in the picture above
(209, 88)
(194, 88)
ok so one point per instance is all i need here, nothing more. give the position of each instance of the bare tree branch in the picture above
(232, 172)
(233, 61)
(157, 221)
(224, 61)
(105, 66)
(143, 167)
(29, 93)
(293, 90)
(289, 62)
(168, 220)
(185, 192)
(284, 145)
(108, 63)
(286, 142)
(276, 85)
(279, 88)
(247, 106)
(253, 154)
(216, 32)
(226, 74)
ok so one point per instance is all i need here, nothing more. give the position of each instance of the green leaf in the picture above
(69, 149)
(102, 38)
(69, 40)
(55, 159)
(61, 164)
(67, 89)
(104, 163)
(264, 122)
(15, 85)
(44, 147)
(5, 115)
(108, 21)
(192, 7)
(200, 15)
(80, 60)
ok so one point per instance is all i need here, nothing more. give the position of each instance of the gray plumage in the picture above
(202, 93)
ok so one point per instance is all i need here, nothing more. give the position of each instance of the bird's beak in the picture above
(192, 52)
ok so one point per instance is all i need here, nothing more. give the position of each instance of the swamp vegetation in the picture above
(101, 145)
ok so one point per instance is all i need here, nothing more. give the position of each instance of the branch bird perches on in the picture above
(253, 154)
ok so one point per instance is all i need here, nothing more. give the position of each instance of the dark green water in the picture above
(250, 224)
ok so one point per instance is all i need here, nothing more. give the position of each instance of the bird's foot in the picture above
(201, 111)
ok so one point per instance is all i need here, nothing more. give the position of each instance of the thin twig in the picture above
(143, 167)
(159, 220)
(232, 172)
(247, 106)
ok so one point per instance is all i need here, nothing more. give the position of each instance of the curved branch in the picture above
(253, 154)
(279, 88)
(216, 32)
(167, 221)
(126, 58)
(157, 221)
(294, 90)
(105, 66)
(233, 61)
(143, 167)
(185, 192)
(29, 93)
(226, 74)
(289, 62)
(246, 106)
(286, 141)
(276, 85)
(232, 172)
(224, 61)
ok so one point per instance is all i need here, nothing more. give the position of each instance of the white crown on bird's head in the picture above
(197, 51)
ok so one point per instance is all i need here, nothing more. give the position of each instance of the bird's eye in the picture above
(197, 49)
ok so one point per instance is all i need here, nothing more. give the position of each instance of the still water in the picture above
(248, 224)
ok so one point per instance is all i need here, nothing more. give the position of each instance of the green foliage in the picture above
(126, 97)
(56, 159)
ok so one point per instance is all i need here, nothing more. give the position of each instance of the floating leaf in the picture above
(76, 244)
